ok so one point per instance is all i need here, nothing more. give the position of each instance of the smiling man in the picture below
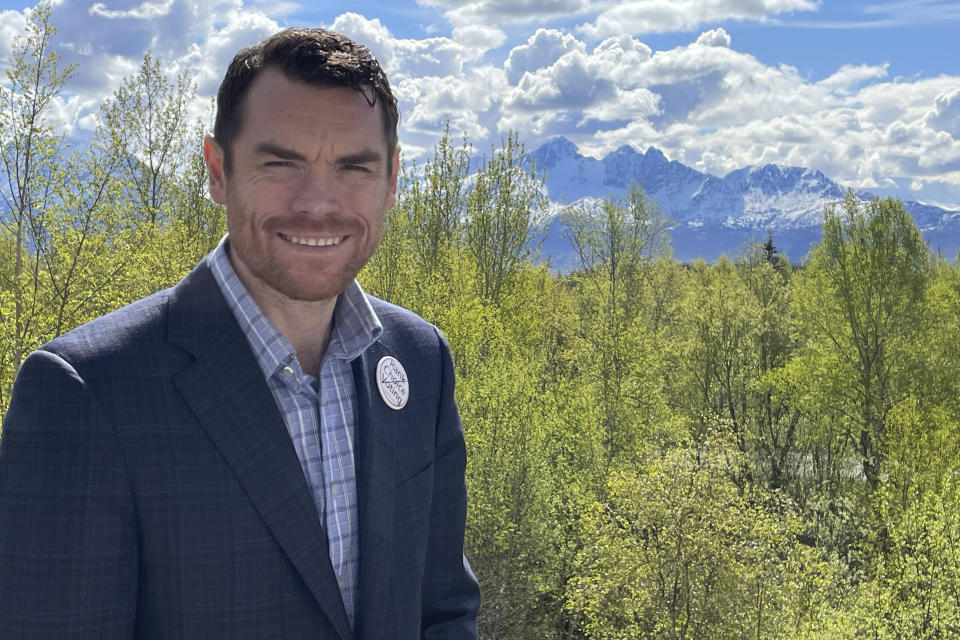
(262, 451)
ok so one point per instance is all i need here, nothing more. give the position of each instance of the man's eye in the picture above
(279, 163)
(355, 167)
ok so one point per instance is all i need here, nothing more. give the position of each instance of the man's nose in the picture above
(317, 192)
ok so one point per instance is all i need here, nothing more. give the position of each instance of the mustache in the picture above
(332, 224)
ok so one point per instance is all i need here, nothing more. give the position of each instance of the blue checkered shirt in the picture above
(322, 424)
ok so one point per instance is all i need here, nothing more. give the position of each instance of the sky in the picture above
(867, 92)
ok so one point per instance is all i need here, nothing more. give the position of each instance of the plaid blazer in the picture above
(149, 489)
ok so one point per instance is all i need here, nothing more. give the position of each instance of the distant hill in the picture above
(712, 216)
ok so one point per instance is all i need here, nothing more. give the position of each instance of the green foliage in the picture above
(911, 580)
(604, 504)
(436, 203)
(146, 122)
(505, 206)
(618, 242)
(679, 551)
(32, 176)
(861, 302)
(510, 487)
(86, 230)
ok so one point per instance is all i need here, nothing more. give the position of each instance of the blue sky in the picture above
(867, 92)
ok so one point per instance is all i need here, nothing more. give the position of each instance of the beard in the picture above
(263, 258)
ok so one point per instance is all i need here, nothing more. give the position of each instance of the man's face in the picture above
(309, 184)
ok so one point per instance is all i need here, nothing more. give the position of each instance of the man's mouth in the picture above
(313, 242)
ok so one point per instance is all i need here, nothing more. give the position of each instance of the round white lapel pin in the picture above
(392, 382)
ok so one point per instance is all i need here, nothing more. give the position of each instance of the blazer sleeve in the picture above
(68, 558)
(451, 595)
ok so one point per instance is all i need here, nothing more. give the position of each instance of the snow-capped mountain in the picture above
(713, 216)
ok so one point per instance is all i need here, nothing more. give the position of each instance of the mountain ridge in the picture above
(712, 216)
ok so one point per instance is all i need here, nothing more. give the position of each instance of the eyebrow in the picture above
(278, 151)
(360, 157)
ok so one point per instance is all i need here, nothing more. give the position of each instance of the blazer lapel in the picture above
(227, 393)
(375, 492)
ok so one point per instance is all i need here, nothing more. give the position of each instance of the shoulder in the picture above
(138, 331)
(403, 328)
(419, 345)
(129, 327)
(394, 315)
(95, 360)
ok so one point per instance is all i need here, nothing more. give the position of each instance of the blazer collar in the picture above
(227, 392)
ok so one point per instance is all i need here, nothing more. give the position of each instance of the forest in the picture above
(761, 448)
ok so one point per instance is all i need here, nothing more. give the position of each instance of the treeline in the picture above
(691, 451)
(656, 450)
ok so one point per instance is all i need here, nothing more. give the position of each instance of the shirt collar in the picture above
(355, 323)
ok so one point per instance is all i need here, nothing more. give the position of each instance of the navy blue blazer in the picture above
(149, 488)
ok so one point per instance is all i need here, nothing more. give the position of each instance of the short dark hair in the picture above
(315, 56)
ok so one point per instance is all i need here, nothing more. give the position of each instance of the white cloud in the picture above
(719, 109)
(845, 79)
(371, 33)
(626, 104)
(574, 78)
(12, 25)
(573, 81)
(542, 49)
(145, 11)
(479, 38)
(208, 60)
(107, 43)
(658, 16)
(404, 58)
(703, 103)
(715, 38)
(470, 103)
(578, 92)
(945, 114)
(849, 139)
(494, 12)
(621, 59)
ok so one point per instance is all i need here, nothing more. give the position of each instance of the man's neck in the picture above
(307, 325)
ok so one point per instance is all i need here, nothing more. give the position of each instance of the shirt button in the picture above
(288, 371)
(336, 490)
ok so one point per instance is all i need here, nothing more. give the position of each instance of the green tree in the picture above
(86, 230)
(680, 552)
(862, 302)
(415, 260)
(737, 327)
(32, 175)
(146, 120)
(511, 533)
(617, 243)
(435, 202)
(773, 424)
(505, 207)
(722, 318)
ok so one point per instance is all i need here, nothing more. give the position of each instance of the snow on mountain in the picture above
(570, 176)
(782, 197)
(717, 215)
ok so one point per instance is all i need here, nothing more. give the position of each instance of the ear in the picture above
(394, 170)
(213, 157)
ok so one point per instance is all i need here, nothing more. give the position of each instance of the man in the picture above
(261, 451)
